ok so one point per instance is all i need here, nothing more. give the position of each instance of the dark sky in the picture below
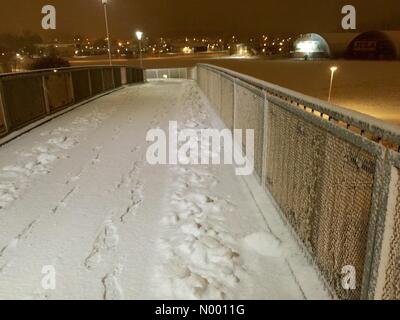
(197, 17)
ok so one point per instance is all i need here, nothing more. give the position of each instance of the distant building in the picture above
(375, 45)
(63, 49)
(311, 45)
(240, 49)
(324, 45)
(195, 45)
(372, 45)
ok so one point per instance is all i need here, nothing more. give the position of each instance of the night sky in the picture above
(197, 17)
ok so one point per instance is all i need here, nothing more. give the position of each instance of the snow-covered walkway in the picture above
(77, 197)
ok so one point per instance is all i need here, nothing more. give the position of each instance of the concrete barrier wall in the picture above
(333, 173)
(30, 96)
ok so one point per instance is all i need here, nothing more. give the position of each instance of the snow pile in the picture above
(263, 243)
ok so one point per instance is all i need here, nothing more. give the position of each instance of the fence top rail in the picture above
(380, 129)
(64, 69)
(155, 69)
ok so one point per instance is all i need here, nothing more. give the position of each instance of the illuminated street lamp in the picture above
(17, 57)
(139, 36)
(333, 69)
(107, 30)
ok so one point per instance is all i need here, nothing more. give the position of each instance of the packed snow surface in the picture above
(78, 196)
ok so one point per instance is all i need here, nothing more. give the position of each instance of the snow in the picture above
(77, 194)
(263, 243)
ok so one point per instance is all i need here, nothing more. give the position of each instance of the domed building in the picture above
(375, 45)
(311, 45)
(371, 45)
(324, 45)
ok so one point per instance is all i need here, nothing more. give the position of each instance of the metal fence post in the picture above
(112, 77)
(234, 103)
(102, 80)
(71, 84)
(376, 228)
(265, 140)
(3, 109)
(45, 94)
(220, 94)
(123, 76)
(90, 84)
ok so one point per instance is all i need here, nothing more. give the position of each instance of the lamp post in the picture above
(17, 57)
(139, 35)
(107, 30)
(333, 69)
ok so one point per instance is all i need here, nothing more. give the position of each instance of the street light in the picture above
(333, 69)
(107, 30)
(139, 36)
(17, 57)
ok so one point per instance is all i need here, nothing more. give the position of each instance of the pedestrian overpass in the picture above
(320, 217)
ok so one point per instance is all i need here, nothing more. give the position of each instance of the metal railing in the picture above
(170, 73)
(27, 97)
(333, 173)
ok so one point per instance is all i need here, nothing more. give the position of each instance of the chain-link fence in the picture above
(329, 172)
(391, 284)
(386, 261)
(30, 96)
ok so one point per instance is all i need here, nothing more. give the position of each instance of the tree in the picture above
(49, 62)
(27, 42)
